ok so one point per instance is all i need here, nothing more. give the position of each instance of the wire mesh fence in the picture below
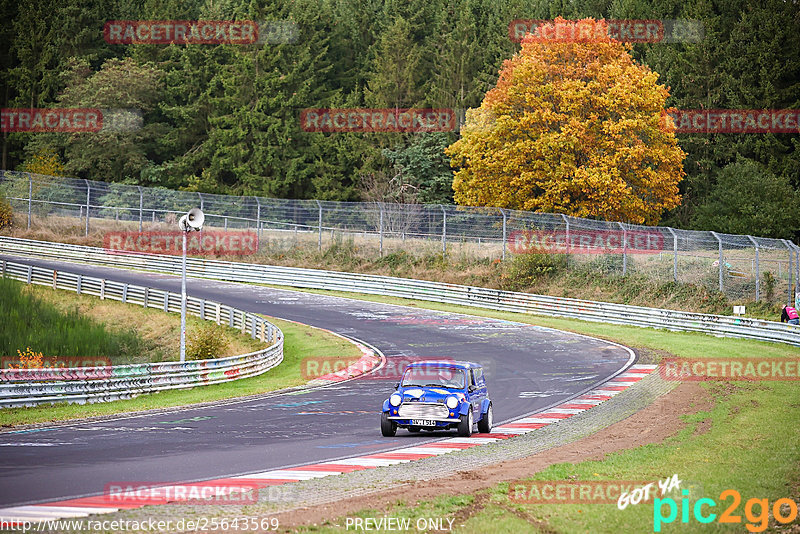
(743, 267)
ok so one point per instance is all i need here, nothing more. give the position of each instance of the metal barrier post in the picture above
(505, 238)
(444, 230)
(796, 275)
(758, 271)
(721, 261)
(258, 224)
(790, 272)
(30, 198)
(566, 223)
(319, 240)
(624, 249)
(141, 205)
(380, 230)
(674, 254)
(88, 198)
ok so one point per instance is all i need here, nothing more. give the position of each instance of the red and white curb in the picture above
(101, 504)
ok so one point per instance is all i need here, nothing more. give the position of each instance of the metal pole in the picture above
(380, 229)
(788, 245)
(200, 196)
(30, 198)
(141, 205)
(624, 249)
(183, 300)
(88, 193)
(758, 273)
(674, 254)
(319, 223)
(797, 275)
(258, 224)
(444, 230)
(505, 220)
(721, 261)
(566, 223)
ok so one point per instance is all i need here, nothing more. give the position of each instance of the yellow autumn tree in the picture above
(574, 127)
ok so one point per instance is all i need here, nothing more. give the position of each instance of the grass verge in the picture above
(60, 323)
(31, 321)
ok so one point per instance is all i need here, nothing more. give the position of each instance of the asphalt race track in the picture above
(528, 369)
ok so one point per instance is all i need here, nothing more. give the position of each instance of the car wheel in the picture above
(388, 427)
(485, 424)
(465, 426)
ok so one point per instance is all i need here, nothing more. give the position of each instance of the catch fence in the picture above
(743, 267)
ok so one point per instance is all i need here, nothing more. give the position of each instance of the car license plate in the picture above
(423, 422)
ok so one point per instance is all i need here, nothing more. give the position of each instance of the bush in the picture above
(395, 260)
(206, 342)
(342, 250)
(525, 270)
(6, 214)
(768, 284)
(609, 264)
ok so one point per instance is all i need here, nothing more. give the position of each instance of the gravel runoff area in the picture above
(321, 491)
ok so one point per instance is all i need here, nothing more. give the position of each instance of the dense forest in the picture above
(224, 118)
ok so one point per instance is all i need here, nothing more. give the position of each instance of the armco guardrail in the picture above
(493, 299)
(31, 387)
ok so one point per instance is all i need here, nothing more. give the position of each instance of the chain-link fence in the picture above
(743, 267)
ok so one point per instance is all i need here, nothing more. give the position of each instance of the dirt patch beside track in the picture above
(653, 424)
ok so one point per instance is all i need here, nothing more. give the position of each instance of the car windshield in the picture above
(445, 377)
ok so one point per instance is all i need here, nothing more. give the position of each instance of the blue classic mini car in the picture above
(439, 395)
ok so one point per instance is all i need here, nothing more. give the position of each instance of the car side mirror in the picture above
(397, 385)
(471, 389)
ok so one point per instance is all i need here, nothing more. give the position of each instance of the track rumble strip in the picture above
(86, 506)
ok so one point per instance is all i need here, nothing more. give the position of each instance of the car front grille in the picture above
(423, 410)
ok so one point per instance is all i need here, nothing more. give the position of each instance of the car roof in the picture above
(445, 363)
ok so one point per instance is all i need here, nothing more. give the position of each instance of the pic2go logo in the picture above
(783, 510)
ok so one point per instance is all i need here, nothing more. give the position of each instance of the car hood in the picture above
(429, 394)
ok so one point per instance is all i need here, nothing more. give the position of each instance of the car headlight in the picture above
(452, 402)
(395, 399)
